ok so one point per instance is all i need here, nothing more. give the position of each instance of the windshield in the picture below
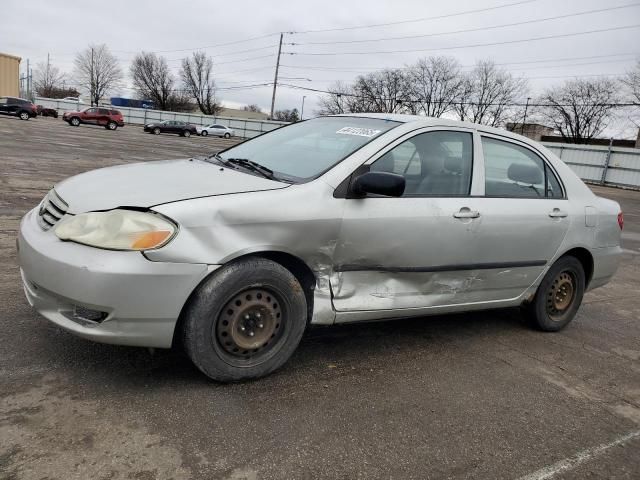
(305, 150)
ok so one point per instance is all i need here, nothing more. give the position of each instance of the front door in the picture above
(418, 250)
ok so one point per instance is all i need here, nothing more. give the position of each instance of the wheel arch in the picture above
(294, 264)
(586, 259)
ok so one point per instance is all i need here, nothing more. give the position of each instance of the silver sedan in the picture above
(331, 220)
(216, 130)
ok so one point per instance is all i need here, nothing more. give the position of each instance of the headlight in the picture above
(117, 230)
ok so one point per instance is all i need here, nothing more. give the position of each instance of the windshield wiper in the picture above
(220, 160)
(253, 166)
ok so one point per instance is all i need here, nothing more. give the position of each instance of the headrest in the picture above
(528, 174)
(453, 164)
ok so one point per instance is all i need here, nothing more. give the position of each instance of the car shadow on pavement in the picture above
(359, 345)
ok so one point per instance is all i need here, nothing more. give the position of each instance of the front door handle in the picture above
(466, 213)
(557, 213)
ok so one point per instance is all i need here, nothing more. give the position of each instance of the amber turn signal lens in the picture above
(150, 239)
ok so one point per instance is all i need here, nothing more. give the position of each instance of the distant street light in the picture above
(302, 109)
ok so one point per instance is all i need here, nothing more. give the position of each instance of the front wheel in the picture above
(111, 126)
(156, 131)
(245, 321)
(75, 121)
(559, 295)
(204, 133)
(24, 116)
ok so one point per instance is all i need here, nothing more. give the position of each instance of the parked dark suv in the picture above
(105, 117)
(18, 107)
(171, 126)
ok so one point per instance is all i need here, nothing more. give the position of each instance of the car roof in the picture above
(422, 121)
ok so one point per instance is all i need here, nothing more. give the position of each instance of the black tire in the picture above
(204, 133)
(215, 318)
(156, 131)
(111, 126)
(186, 133)
(558, 297)
(24, 115)
(75, 121)
(227, 135)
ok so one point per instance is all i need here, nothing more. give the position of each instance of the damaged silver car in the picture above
(336, 219)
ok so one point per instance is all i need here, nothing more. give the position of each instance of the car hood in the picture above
(153, 183)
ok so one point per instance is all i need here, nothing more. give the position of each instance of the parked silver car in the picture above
(330, 220)
(216, 130)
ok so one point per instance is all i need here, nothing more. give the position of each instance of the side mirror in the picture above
(379, 183)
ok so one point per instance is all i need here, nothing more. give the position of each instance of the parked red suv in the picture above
(106, 117)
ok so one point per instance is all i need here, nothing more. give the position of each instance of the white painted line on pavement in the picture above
(578, 458)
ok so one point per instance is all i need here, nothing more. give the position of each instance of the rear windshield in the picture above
(305, 150)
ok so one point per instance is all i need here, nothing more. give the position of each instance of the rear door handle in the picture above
(557, 213)
(466, 213)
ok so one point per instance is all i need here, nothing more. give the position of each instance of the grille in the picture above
(52, 209)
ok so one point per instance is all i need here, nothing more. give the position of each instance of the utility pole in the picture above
(92, 78)
(524, 120)
(302, 109)
(275, 78)
(28, 81)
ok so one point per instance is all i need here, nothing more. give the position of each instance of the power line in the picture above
(423, 19)
(235, 42)
(468, 30)
(546, 37)
(338, 69)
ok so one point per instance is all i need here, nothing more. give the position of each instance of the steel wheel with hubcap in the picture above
(559, 295)
(156, 131)
(186, 133)
(245, 320)
(204, 133)
(227, 135)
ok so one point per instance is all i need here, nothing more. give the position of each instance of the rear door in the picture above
(102, 117)
(524, 215)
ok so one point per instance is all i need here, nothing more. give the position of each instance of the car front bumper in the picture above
(116, 297)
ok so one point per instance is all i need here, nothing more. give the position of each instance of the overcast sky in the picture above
(33, 28)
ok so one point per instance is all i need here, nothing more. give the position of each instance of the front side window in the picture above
(433, 163)
(515, 171)
(90, 110)
(304, 150)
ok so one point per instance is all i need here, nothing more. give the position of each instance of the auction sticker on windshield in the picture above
(360, 132)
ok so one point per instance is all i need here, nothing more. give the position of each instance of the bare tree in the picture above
(251, 108)
(97, 71)
(152, 78)
(48, 79)
(487, 95)
(435, 84)
(287, 115)
(180, 101)
(197, 76)
(631, 80)
(385, 91)
(580, 109)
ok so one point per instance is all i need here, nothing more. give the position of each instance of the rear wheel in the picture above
(227, 135)
(559, 295)
(111, 125)
(24, 115)
(75, 121)
(186, 133)
(245, 321)
(204, 133)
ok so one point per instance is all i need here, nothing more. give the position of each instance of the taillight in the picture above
(621, 220)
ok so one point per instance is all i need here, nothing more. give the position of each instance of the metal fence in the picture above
(614, 166)
(244, 127)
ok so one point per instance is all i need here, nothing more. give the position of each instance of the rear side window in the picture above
(515, 171)
(103, 111)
